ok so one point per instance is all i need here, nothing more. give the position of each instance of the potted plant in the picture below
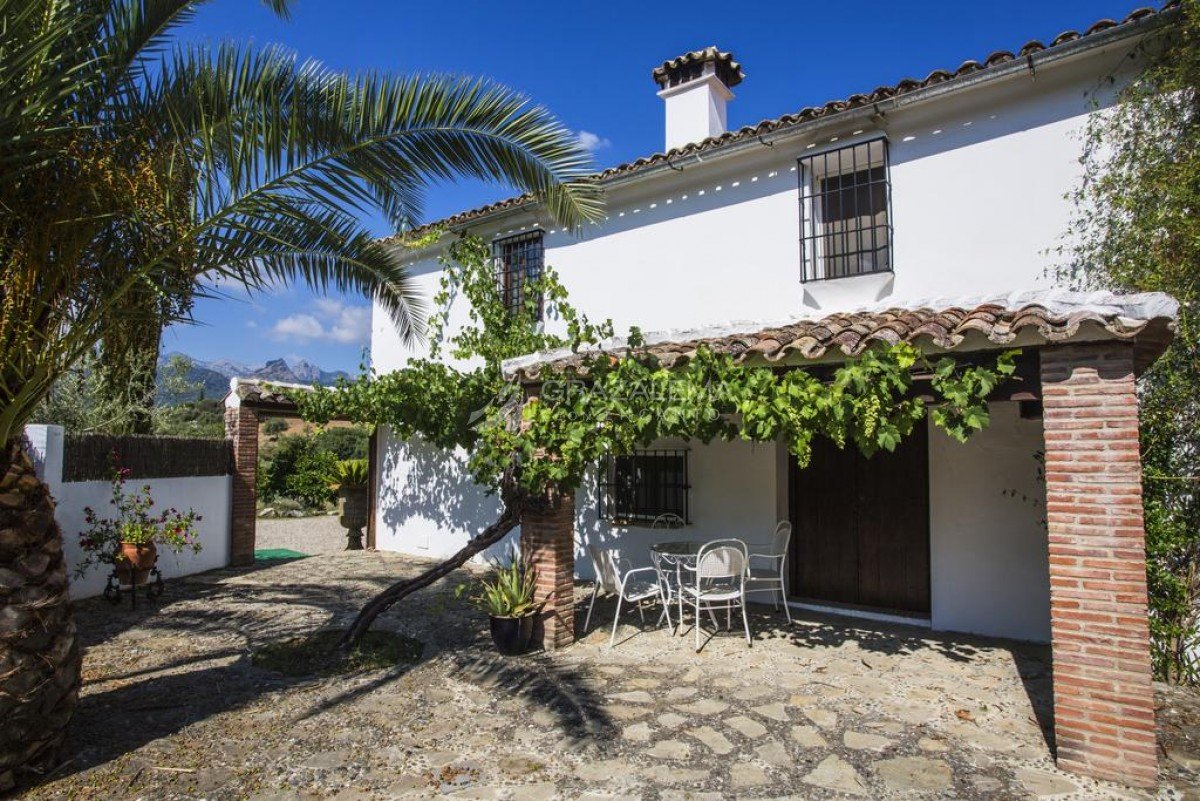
(130, 541)
(349, 479)
(508, 598)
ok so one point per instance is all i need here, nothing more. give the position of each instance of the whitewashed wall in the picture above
(210, 496)
(733, 492)
(989, 562)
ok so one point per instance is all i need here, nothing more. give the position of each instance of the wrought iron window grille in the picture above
(846, 211)
(519, 261)
(636, 488)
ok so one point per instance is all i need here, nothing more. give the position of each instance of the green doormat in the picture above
(277, 553)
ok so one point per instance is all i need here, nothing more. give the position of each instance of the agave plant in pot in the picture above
(507, 595)
(130, 540)
(349, 480)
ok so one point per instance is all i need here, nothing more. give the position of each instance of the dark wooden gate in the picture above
(862, 526)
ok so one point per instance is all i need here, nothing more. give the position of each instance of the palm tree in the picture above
(132, 166)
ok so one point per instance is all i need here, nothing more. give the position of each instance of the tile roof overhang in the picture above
(880, 99)
(1030, 319)
(267, 396)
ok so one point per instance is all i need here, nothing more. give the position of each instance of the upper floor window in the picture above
(637, 488)
(845, 212)
(519, 261)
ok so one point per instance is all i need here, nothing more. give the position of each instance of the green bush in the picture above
(343, 442)
(296, 466)
(276, 425)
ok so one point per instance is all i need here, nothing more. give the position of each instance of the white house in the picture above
(927, 210)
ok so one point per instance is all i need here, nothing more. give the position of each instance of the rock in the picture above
(633, 697)
(670, 749)
(681, 693)
(716, 742)
(865, 742)
(775, 711)
(746, 727)
(519, 766)
(604, 770)
(670, 720)
(834, 773)
(1042, 784)
(932, 745)
(662, 774)
(808, 737)
(773, 753)
(638, 733)
(746, 774)
(1184, 759)
(915, 774)
(677, 795)
(627, 712)
(822, 717)
(705, 706)
(328, 760)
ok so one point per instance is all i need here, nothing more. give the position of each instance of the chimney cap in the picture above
(691, 66)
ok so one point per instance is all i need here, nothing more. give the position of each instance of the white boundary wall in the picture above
(210, 496)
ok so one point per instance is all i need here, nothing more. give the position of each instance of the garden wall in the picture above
(182, 473)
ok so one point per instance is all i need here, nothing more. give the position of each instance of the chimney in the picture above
(695, 88)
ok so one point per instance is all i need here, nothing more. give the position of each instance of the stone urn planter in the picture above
(134, 562)
(350, 480)
(353, 509)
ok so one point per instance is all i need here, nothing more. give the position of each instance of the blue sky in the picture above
(590, 63)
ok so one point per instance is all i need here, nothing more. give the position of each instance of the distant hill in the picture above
(213, 377)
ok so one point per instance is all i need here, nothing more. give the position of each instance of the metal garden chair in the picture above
(773, 577)
(629, 586)
(720, 576)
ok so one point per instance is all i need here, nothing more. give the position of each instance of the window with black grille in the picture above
(519, 261)
(639, 487)
(845, 212)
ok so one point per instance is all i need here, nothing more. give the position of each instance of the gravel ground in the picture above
(172, 707)
(311, 535)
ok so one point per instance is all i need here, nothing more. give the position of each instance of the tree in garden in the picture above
(529, 450)
(138, 167)
(1137, 230)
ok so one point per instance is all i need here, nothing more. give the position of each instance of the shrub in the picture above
(276, 425)
(343, 442)
(295, 467)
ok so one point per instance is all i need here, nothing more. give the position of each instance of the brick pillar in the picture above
(241, 428)
(1103, 696)
(548, 540)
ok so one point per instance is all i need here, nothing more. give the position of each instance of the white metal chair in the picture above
(773, 578)
(721, 567)
(610, 579)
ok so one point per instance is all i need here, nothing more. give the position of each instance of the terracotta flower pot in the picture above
(135, 561)
(353, 511)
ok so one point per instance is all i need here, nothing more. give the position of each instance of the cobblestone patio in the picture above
(172, 707)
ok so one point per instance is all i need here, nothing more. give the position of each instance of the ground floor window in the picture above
(638, 487)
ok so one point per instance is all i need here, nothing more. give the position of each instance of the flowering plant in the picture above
(134, 523)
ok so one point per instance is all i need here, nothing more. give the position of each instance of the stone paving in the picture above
(826, 708)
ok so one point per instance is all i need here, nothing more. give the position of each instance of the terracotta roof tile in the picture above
(1029, 319)
(805, 115)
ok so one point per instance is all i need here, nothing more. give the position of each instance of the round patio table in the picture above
(676, 553)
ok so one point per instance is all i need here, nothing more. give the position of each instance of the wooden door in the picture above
(861, 526)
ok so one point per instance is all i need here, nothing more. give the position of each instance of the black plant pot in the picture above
(512, 634)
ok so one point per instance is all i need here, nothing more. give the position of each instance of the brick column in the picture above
(241, 428)
(548, 540)
(1103, 696)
